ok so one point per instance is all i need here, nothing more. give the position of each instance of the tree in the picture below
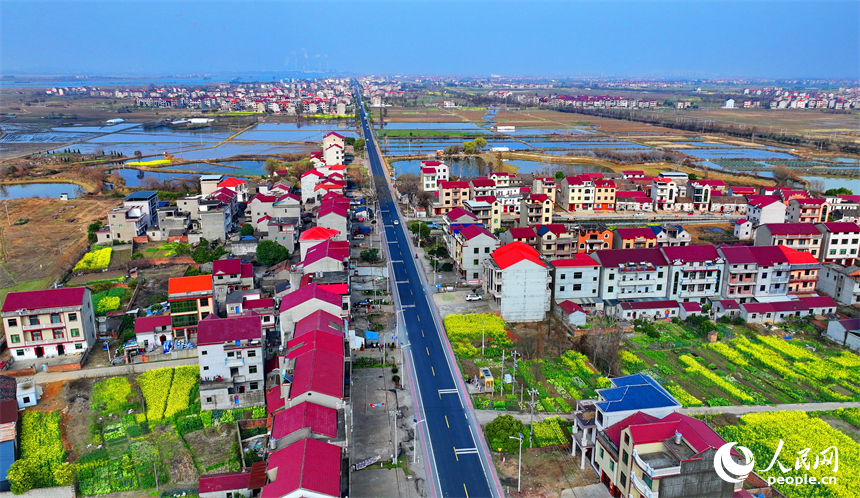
(271, 253)
(23, 475)
(370, 255)
(480, 143)
(202, 253)
(499, 433)
(359, 145)
(349, 140)
(838, 191)
(247, 229)
(91, 231)
(469, 147)
(693, 177)
(559, 175)
(271, 165)
(417, 226)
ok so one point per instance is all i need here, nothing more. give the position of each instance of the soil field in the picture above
(606, 125)
(417, 115)
(212, 447)
(791, 120)
(54, 239)
(545, 473)
(155, 284)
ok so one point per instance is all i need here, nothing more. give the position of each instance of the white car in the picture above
(473, 297)
(396, 222)
(640, 213)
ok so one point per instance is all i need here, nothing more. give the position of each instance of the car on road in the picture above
(359, 236)
(639, 214)
(432, 226)
(396, 222)
(473, 297)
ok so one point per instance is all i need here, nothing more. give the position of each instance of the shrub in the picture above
(110, 393)
(97, 259)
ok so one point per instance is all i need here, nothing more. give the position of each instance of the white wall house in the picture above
(694, 273)
(632, 274)
(576, 278)
(230, 353)
(518, 279)
(840, 282)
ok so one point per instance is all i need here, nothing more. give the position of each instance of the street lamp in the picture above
(520, 462)
(415, 423)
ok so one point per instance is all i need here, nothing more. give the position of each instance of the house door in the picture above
(234, 371)
(163, 338)
(40, 351)
(61, 350)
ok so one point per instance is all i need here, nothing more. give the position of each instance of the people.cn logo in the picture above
(727, 469)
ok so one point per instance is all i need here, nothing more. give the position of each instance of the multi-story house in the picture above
(700, 194)
(451, 195)
(576, 278)
(800, 236)
(191, 299)
(481, 186)
(309, 180)
(728, 204)
(631, 274)
(332, 138)
(487, 209)
(634, 238)
(604, 195)
(634, 200)
(591, 237)
(139, 211)
(805, 210)
(840, 243)
(286, 206)
(304, 301)
(694, 273)
(153, 331)
(46, 323)
(545, 185)
(764, 209)
(230, 353)
(260, 210)
(229, 275)
(535, 209)
(526, 235)
(842, 283)
(503, 179)
(332, 215)
(754, 272)
(519, 280)
(663, 193)
(629, 395)
(670, 457)
(803, 271)
(237, 186)
(333, 154)
(471, 245)
(556, 241)
(314, 236)
(433, 172)
(510, 196)
(576, 193)
(672, 236)
(744, 229)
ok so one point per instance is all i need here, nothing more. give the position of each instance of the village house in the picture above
(803, 271)
(487, 209)
(304, 301)
(694, 273)
(635, 200)
(647, 310)
(728, 204)
(526, 235)
(805, 210)
(744, 229)
(800, 236)
(46, 323)
(663, 194)
(754, 273)
(138, 212)
(153, 331)
(840, 243)
(239, 187)
(545, 185)
(700, 194)
(671, 236)
(433, 172)
(481, 186)
(306, 468)
(229, 275)
(471, 245)
(535, 209)
(190, 300)
(591, 237)
(314, 236)
(450, 196)
(604, 197)
(577, 278)
(576, 193)
(842, 283)
(230, 352)
(519, 280)
(634, 238)
(632, 274)
(763, 209)
(556, 241)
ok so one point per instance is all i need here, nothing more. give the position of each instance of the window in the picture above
(475, 262)
(601, 452)
(611, 276)
(19, 352)
(625, 457)
(205, 367)
(183, 306)
(477, 250)
(73, 317)
(563, 276)
(577, 287)
(252, 369)
(610, 289)
(179, 321)
(577, 275)
(76, 333)
(611, 465)
(764, 275)
(55, 318)
(626, 441)
(37, 335)
(623, 480)
(561, 289)
(204, 301)
(209, 399)
(648, 481)
(58, 333)
(486, 250)
(34, 320)
(252, 354)
(13, 322)
(659, 287)
(761, 288)
(15, 338)
(659, 274)
(26, 399)
(254, 386)
(231, 354)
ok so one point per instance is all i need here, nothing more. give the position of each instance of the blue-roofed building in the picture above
(671, 236)
(627, 396)
(7, 458)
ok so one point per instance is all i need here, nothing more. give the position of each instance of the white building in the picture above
(763, 209)
(54, 322)
(759, 273)
(841, 242)
(519, 280)
(433, 172)
(576, 278)
(230, 353)
(694, 273)
(471, 246)
(744, 229)
(840, 282)
(632, 274)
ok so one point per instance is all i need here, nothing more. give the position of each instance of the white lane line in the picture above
(466, 451)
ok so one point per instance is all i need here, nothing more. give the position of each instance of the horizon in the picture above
(663, 40)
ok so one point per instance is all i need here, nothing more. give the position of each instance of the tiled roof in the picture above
(263, 198)
(331, 208)
(450, 184)
(331, 133)
(230, 481)
(632, 233)
(285, 197)
(183, 285)
(319, 320)
(570, 306)
(538, 197)
(320, 372)
(482, 182)
(577, 260)
(634, 392)
(306, 293)
(523, 233)
(611, 258)
(472, 231)
(775, 307)
(796, 257)
(231, 182)
(695, 253)
(792, 229)
(244, 327)
(486, 198)
(321, 420)
(515, 252)
(227, 267)
(316, 340)
(729, 304)
(762, 200)
(841, 227)
(699, 436)
(649, 305)
(337, 250)
(309, 465)
(148, 323)
(318, 233)
(819, 302)
(556, 228)
(458, 213)
(613, 432)
(761, 255)
(691, 306)
(51, 298)
(265, 305)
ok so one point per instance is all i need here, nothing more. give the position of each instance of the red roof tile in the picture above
(227, 267)
(318, 233)
(793, 229)
(632, 233)
(260, 306)
(306, 293)
(229, 481)
(183, 285)
(472, 231)
(513, 253)
(690, 253)
(613, 432)
(308, 465)
(320, 372)
(231, 182)
(570, 306)
(244, 327)
(577, 260)
(456, 184)
(316, 340)
(459, 212)
(148, 323)
(51, 298)
(842, 226)
(611, 258)
(319, 320)
(321, 420)
(523, 233)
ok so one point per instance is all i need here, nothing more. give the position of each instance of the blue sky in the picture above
(771, 39)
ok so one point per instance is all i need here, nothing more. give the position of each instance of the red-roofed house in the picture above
(803, 271)
(191, 300)
(634, 238)
(556, 241)
(545, 185)
(840, 243)
(800, 236)
(487, 209)
(225, 485)
(332, 138)
(305, 469)
(578, 278)
(314, 236)
(571, 313)
(287, 206)
(763, 209)
(52, 322)
(433, 172)
(229, 275)
(153, 331)
(309, 180)
(604, 199)
(630, 174)
(804, 210)
(664, 192)
(328, 256)
(239, 187)
(471, 245)
(333, 153)
(333, 216)
(230, 352)
(317, 375)
(319, 320)
(535, 209)
(576, 193)
(450, 196)
(502, 178)
(260, 207)
(643, 454)
(518, 278)
(266, 309)
(632, 273)
(634, 200)
(775, 312)
(526, 235)
(304, 301)
(305, 420)
(695, 272)
(754, 272)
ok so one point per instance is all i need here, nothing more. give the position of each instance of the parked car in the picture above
(432, 226)
(473, 297)
(396, 222)
(359, 236)
(640, 213)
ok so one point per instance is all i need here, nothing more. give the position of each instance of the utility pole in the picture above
(482, 339)
(514, 355)
(502, 374)
(396, 413)
(532, 404)
(520, 461)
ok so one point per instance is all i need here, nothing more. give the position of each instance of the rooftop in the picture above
(185, 285)
(244, 327)
(515, 252)
(51, 298)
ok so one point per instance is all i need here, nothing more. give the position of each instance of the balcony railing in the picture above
(655, 473)
(702, 280)
(642, 488)
(43, 342)
(780, 280)
(43, 326)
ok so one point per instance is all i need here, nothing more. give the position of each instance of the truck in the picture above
(361, 230)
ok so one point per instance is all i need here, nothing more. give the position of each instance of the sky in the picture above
(649, 39)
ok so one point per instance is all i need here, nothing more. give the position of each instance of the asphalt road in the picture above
(458, 463)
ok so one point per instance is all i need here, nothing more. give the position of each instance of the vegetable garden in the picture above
(97, 259)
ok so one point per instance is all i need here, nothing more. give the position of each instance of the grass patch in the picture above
(155, 162)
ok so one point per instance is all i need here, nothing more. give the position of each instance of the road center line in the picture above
(446, 423)
(434, 372)
(428, 350)
(466, 490)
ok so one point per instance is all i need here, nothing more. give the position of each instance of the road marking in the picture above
(428, 350)
(422, 332)
(418, 317)
(397, 261)
(446, 423)
(458, 458)
(434, 375)
(398, 282)
(407, 306)
(447, 391)
(466, 451)
(466, 490)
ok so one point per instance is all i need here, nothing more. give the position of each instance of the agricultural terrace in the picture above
(126, 435)
(811, 447)
(743, 367)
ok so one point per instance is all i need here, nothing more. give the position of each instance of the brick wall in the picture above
(64, 368)
(143, 239)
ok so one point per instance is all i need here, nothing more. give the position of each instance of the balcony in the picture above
(642, 488)
(234, 362)
(43, 342)
(701, 280)
(658, 464)
(780, 280)
(741, 270)
(43, 326)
